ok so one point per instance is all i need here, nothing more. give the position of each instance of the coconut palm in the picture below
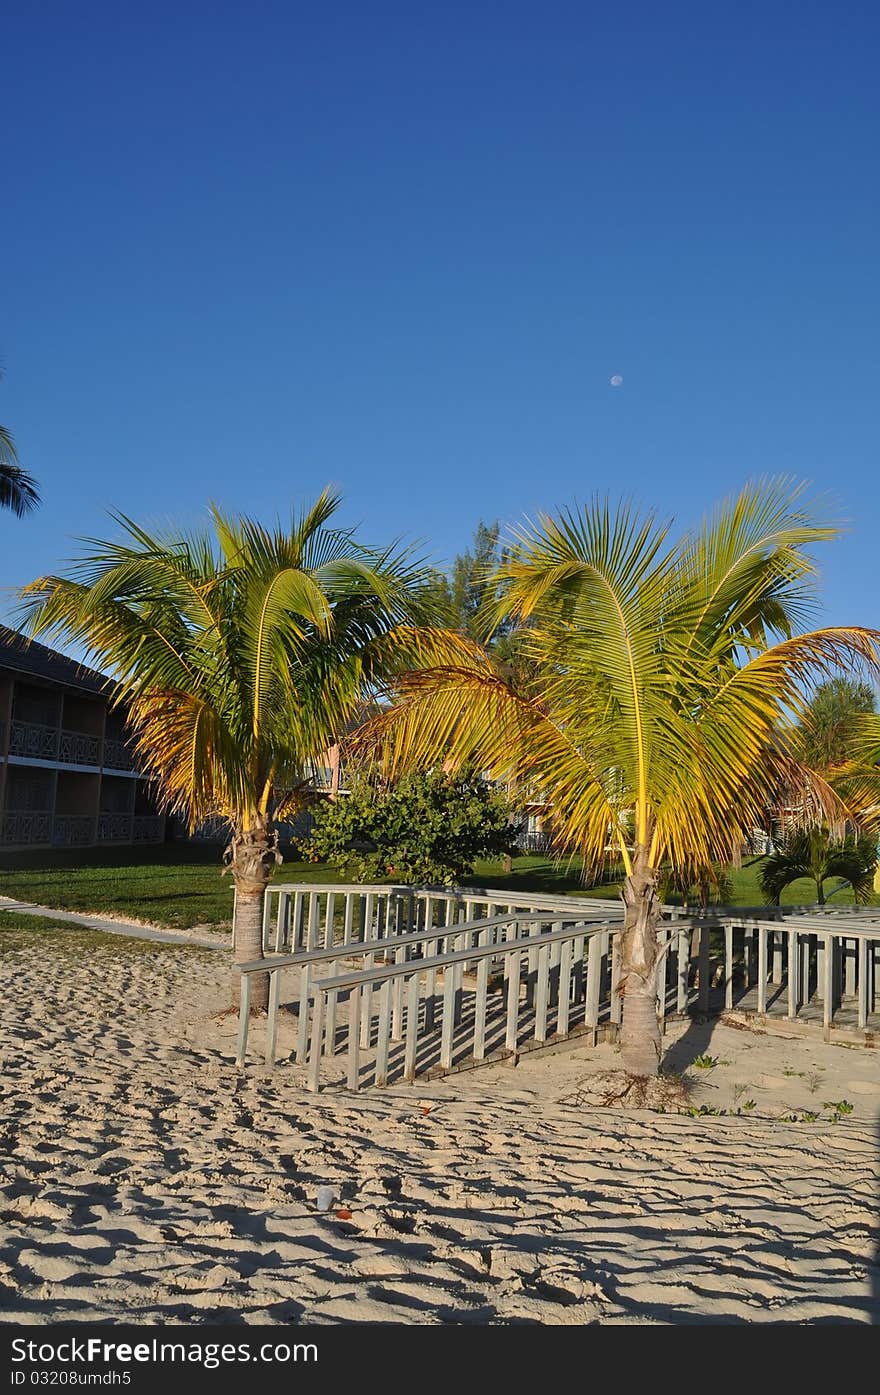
(810, 853)
(18, 489)
(659, 694)
(240, 654)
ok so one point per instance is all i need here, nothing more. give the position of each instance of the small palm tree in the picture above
(658, 691)
(241, 655)
(18, 489)
(811, 854)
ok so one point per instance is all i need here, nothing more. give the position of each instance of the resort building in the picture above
(67, 774)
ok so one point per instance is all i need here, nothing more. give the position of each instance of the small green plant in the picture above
(806, 1116)
(701, 1111)
(839, 1108)
(703, 1062)
(749, 1104)
(814, 1080)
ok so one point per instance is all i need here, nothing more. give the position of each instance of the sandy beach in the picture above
(144, 1179)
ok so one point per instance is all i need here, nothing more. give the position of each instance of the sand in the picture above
(142, 1178)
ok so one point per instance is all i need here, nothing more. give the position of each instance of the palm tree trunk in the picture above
(252, 857)
(820, 889)
(640, 1042)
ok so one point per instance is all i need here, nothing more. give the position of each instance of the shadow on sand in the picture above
(694, 1042)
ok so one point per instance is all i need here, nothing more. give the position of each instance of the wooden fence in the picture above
(407, 981)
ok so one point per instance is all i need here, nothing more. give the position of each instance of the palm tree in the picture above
(832, 723)
(18, 489)
(659, 693)
(810, 853)
(240, 655)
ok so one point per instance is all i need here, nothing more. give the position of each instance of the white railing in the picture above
(147, 828)
(34, 740)
(117, 755)
(38, 742)
(298, 916)
(114, 828)
(379, 955)
(79, 748)
(20, 829)
(544, 957)
(807, 966)
(73, 830)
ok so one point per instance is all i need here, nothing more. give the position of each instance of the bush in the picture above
(422, 829)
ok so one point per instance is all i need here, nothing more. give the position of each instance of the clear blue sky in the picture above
(248, 249)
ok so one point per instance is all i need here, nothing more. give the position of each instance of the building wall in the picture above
(67, 778)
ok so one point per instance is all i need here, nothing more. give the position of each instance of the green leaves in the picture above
(18, 489)
(655, 677)
(424, 829)
(242, 652)
(813, 854)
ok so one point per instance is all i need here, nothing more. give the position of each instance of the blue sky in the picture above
(250, 249)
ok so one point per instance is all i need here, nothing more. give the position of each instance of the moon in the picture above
(617, 380)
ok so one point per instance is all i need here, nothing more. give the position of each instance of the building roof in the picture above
(26, 656)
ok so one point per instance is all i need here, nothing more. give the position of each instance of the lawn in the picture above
(180, 885)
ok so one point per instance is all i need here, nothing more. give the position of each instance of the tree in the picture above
(423, 829)
(809, 853)
(18, 489)
(661, 681)
(831, 724)
(465, 593)
(240, 654)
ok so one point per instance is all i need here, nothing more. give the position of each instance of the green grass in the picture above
(174, 885)
(179, 885)
(747, 891)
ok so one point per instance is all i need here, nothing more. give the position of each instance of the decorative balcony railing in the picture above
(37, 742)
(128, 828)
(117, 755)
(79, 748)
(73, 830)
(147, 828)
(20, 829)
(32, 739)
(114, 828)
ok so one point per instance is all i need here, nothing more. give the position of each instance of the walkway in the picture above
(118, 927)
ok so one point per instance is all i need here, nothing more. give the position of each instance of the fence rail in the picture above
(408, 981)
(20, 829)
(298, 916)
(429, 956)
(73, 830)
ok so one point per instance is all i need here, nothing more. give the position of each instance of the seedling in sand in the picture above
(839, 1108)
(703, 1062)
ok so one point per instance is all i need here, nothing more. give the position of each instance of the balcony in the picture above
(21, 829)
(128, 828)
(117, 755)
(78, 748)
(73, 830)
(147, 828)
(31, 741)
